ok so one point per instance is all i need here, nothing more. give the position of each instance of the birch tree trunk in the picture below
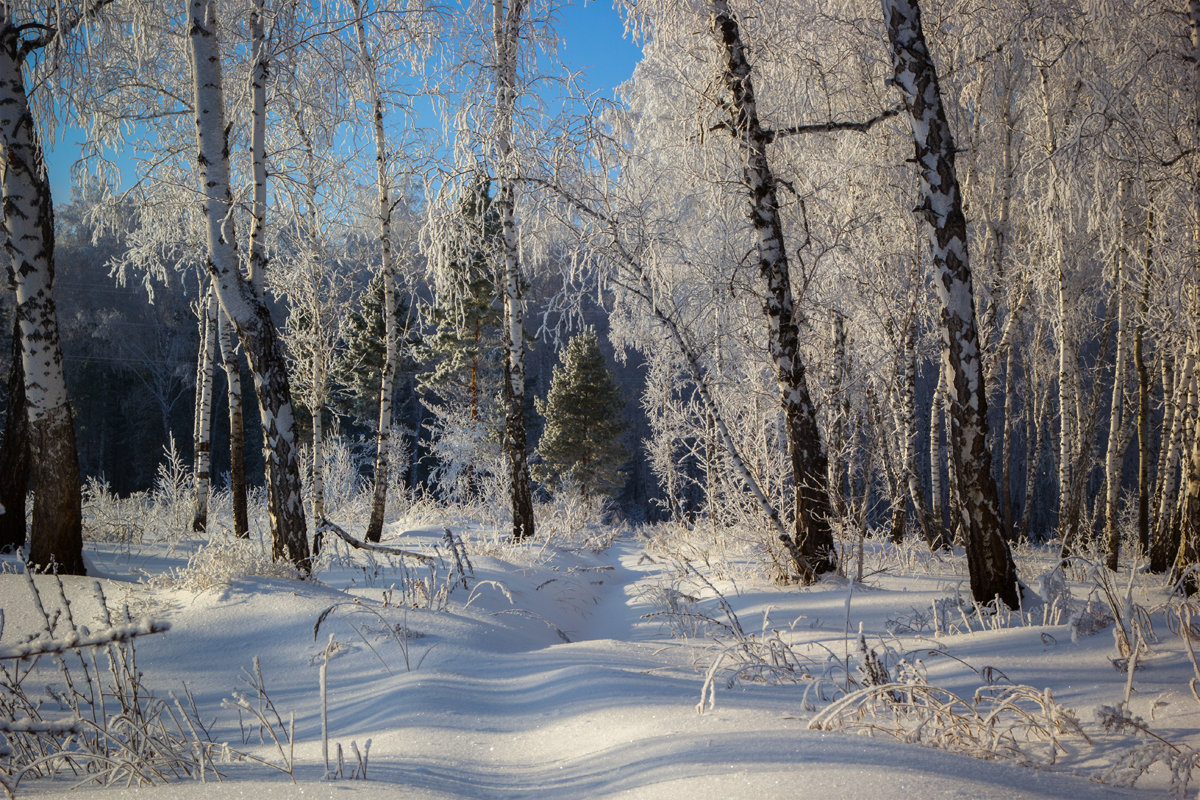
(237, 428)
(1112, 458)
(244, 305)
(1143, 412)
(383, 433)
(56, 537)
(1165, 546)
(203, 423)
(14, 455)
(992, 571)
(936, 494)
(258, 145)
(811, 542)
(506, 30)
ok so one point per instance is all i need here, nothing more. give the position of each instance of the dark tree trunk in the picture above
(56, 535)
(507, 40)
(14, 455)
(989, 561)
(237, 429)
(811, 543)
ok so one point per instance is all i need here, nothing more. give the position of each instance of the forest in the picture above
(825, 281)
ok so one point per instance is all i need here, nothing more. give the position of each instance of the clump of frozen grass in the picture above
(108, 517)
(737, 655)
(221, 562)
(258, 716)
(1179, 760)
(73, 702)
(575, 522)
(171, 499)
(163, 512)
(1013, 723)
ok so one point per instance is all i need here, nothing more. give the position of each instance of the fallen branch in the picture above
(329, 527)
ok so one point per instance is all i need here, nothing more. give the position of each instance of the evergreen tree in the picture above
(581, 442)
(361, 369)
(463, 353)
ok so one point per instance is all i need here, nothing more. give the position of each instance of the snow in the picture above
(496, 703)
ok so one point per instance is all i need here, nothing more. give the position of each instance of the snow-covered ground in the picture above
(558, 672)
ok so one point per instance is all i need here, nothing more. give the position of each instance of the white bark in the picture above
(203, 422)
(506, 35)
(28, 231)
(243, 305)
(387, 269)
(989, 560)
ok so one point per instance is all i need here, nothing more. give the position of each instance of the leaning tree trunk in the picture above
(244, 305)
(14, 455)
(56, 535)
(203, 425)
(237, 428)
(811, 542)
(506, 28)
(989, 561)
(387, 383)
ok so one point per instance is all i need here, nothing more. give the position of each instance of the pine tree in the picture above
(463, 354)
(581, 442)
(360, 372)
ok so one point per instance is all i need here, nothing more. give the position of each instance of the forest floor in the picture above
(544, 671)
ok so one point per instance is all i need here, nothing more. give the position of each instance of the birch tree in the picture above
(812, 541)
(989, 561)
(239, 298)
(31, 41)
(507, 22)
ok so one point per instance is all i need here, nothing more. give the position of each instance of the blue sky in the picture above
(593, 42)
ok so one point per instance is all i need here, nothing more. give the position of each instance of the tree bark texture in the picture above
(506, 30)
(1187, 562)
(237, 428)
(243, 305)
(14, 455)
(203, 422)
(258, 144)
(989, 561)
(1116, 440)
(812, 543)
(56, 534)
(383, 431)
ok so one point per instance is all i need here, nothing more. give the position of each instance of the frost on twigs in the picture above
(1013, 723)
(221, 562)
(1180, 760)
(72, 702)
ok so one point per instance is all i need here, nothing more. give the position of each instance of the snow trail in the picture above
(498, 707)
